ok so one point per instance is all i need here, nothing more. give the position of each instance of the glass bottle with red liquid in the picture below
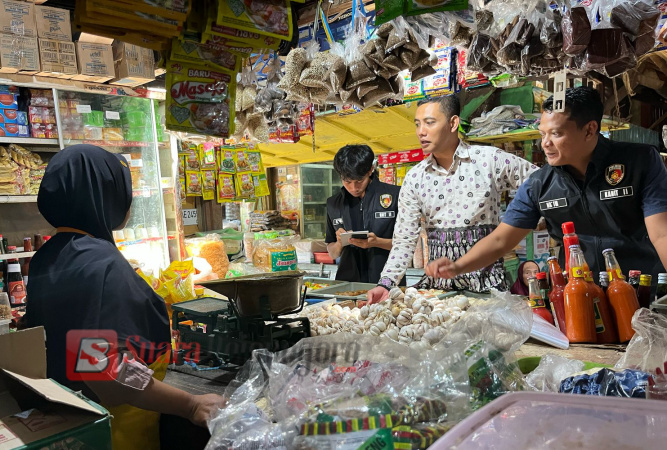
(579, 310)
(569, 238)
(605, 324)
(644, 292)
(15, 286)
(621, 295)
(536, 301)
(556, 296)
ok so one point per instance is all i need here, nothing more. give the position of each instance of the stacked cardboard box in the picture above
(57, 52)
(95, 58)
(134, 65)
(18, 38)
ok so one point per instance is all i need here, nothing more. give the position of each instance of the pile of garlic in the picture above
(418, 319)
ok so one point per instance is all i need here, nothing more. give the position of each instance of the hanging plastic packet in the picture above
(266, 17)
(206, 155)
(245, 186)
(192, 158)
(216, 56)
(226, 190)
(242, 163)
(227, 161)
(193, 184)
(261, 185)
(200, 101)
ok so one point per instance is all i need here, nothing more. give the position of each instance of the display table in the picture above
(600, 354)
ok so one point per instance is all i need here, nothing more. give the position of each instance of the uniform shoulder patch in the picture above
(614, 174)
(386, 200)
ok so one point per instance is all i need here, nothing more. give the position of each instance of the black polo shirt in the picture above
(376, 213)
(624, 183)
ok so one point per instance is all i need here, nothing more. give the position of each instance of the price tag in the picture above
(112, 115)
(83, 109)
(189, 217)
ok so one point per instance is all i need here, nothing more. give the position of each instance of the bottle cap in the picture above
(574, 246)
(645, 280)
(551, 258)
(604, 275)
(541, 275)
(568, 227)
(662, 278)
(634, 273)
(607, 250)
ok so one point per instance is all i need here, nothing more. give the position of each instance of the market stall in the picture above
(228, 115)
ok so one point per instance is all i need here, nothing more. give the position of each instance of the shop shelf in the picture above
(5, 256)
(28, 140)
(18, 198)
(110, 143)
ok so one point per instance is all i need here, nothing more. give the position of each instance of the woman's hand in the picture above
(204, 406)
(377, 294)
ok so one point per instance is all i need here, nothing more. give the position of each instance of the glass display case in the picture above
(318, 183)
(125, 125)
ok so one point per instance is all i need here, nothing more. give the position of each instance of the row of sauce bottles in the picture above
(582, 310)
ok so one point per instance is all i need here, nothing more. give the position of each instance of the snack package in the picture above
(227, 161)
(267, 17)
(237, 41)
(206, 155)
(183, 148)
(200, 101)
(245, 187)
(216, 56)
(181, 167)
(212, 249)
(275, 255)
(193, 184)
(226, 191)
(208, 179)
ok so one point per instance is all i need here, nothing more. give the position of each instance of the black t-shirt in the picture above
(376, 213)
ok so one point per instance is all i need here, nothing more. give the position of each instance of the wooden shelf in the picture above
(6, 256)
(534, 134)
(25, 141)
(18, 198)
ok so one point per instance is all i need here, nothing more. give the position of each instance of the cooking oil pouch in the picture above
(200, 100)
(227, 160)
(267, 17)
(206, 155)
(155, 283)
(193, 184)
(245, 187)
(226, 191)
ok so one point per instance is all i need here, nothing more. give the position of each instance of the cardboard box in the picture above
(57, 58)
(134, 65)
(18, 54)
(95, 62)
(35, 411)
(18, 18)
(53, 23)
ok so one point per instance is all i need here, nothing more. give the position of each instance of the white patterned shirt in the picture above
(466, 195)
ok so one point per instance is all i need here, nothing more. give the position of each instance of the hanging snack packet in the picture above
(193, 184)
(200, 100)
(183, 148)
(181, 167)
(208, 179)
(206, 155)
(255, 160)
(238, 41)
(245, 187)
(267, 17)
(227, 162)
(242, 163)
(216, 56)
(261, 185)
(226, 192)
(181, 183)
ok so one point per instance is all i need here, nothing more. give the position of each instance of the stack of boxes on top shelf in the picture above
(36, 39)
(13, 123)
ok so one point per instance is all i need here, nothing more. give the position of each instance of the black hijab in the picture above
(81, 281)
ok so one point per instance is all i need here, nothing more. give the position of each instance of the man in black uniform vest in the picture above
(614, 192)
(364, 203)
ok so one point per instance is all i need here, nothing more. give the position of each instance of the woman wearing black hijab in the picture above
(80, 281)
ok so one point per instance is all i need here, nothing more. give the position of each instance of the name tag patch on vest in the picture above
(616, 193)
(553, 204)
(385, 215)
(337, 221)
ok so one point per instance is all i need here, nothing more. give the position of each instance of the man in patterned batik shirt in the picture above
(457, 189)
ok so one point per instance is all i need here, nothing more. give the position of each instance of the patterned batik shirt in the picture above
(462, 199)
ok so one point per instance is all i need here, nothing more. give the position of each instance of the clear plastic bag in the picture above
(552, 369)
(647, 349)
